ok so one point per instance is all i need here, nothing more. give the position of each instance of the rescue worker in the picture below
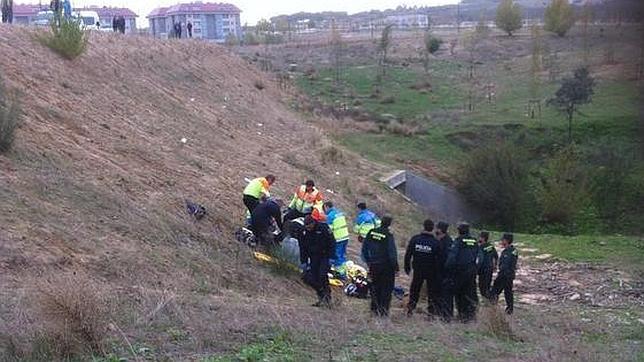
(338, 224)
(306, 197)
(379, 253)
(446, 301)
(507, 270)
(256, 190)
(262, 218)
(486, 263)
(461, 273)
(318, 246)
(365, 221)
(422, 257)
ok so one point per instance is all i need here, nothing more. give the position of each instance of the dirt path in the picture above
(541, 279)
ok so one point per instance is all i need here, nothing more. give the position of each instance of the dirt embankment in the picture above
(98, 175)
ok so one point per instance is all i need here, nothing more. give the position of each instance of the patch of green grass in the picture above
(393, 346)
(279, 347)
(617, 250)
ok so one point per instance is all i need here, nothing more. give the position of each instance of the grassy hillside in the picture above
(99, 261)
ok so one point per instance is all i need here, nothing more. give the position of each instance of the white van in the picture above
(89, 19)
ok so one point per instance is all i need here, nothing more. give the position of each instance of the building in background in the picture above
(210, 21)
(25, 14)
(107, 14)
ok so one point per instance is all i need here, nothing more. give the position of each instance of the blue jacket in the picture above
(366, 216)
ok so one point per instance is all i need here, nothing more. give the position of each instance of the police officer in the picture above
(507, 270)
(486, 263)
(379, 252)
(446, 300)
(461, 271)
(422, 256)
(318, 246)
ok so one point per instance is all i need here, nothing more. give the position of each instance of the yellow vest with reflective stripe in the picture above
(339, 227)
(256, 188)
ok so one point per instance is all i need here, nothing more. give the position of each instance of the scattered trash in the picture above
(330, 191)
(337, 173)
(223, 107)
(184, 140)
(197, 211)
(259, 133)
(575, 296)
(260, 124)
(192, 99)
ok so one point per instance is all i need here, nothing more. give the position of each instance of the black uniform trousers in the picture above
(419, 278)
(317, 278)
(383, 277)
(485, 282)
(503, 284)
(250, 202)
(461, 287)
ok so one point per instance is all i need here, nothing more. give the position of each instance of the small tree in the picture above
(337, 47)
(559, 17)
(9, 119)
(573, 93)
(432, 44)
(508, 17)
(383, 46)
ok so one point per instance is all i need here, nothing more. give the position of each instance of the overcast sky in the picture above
(253, 10)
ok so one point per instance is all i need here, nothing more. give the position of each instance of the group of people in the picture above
(118, 24)
(449, 267)
(177, 30)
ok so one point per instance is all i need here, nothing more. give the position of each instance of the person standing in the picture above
(7, 11)
(67, 9)
(121, 24)
(486, 263)
(365, 221)
(317, 247)
(306, 198)
(421, 256)
(338, 224)
(446, 300)
(379, 252)
(507, 271)
(189, 28)
(256, 190)
(115, 24)
(461, 269)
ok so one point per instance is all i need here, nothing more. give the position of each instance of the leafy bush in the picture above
(9, 119)
(493, 179)
(508, 17)
(559, 17)
(68, 40)
(563, 194)
(432, 43)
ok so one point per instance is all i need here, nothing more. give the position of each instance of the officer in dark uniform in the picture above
(317, 247)
(507, 271)
(379, 252)
(422, 256)
(446, 302)
(486, 263)
(461, 271)
(262, 218)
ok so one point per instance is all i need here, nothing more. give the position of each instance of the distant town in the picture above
(221, 22)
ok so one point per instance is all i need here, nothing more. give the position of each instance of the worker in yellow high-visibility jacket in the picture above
(365, 221)
(306, 198)
(338, 224)
(256, 190)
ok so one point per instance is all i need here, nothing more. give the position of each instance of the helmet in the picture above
(351, 290)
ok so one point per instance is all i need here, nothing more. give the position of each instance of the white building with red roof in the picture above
(212, 21)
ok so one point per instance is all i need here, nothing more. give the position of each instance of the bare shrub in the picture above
(9, 119)
(331, 155)
(493, 320)
(72, 315)
(388, 100)
(259, 84)
(405, 129)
